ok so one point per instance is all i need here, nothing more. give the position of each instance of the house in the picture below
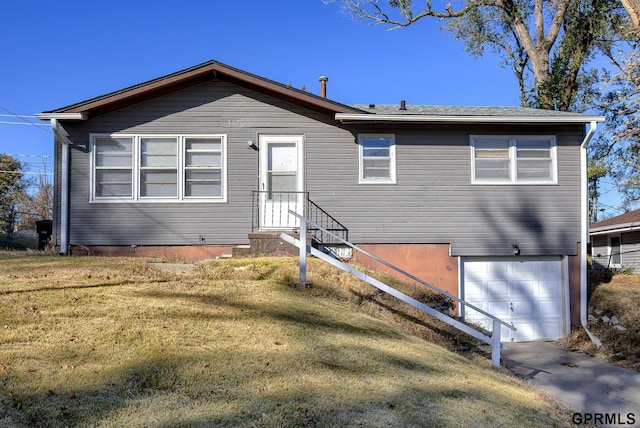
(615, 242)
(487, 203)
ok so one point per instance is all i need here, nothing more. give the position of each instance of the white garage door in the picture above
(525, 292)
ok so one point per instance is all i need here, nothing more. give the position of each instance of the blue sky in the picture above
(58, 53)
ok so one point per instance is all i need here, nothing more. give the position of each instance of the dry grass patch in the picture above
(114, 342)
(619, 297)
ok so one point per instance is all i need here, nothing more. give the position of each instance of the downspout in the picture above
(64, 188)
(584, 232)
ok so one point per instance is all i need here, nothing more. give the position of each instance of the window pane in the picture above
(375, 168)
(113, 183)
(204, 144)
(533, 144)
(492, 143)
(534, 159)
(204, 175)
(492, 154)
(159, 152)
(493, 169)
(282, 157)
(204, 159)
(113, 152)
(531, 169)
(203, 167)
(374, 143)
(282, 182)
(158, 183)
(204, 190)
(376, 158)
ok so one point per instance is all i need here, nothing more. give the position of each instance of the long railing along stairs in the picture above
(493, 339)
(278, 213)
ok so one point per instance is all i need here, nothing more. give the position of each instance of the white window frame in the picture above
(513, 161)
(136, 168)
(392, 160)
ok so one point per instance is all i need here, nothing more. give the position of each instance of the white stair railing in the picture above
(493, 340)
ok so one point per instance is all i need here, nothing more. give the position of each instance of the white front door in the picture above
(281, 181)
(525, 292)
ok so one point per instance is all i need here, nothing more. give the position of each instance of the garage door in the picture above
(527, 293)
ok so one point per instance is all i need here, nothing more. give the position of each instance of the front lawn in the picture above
(116, 342)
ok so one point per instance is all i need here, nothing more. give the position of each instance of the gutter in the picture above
(620, 228)
(359, 117)
(64, 187)
(584, 232)
(64, 173)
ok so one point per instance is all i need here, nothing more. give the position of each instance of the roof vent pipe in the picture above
(323, 86)
(403, 105)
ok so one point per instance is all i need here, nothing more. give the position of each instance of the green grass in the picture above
(114, 342)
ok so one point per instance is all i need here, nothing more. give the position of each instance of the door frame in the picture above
(263, 141)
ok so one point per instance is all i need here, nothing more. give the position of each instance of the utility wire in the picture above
(21, 117)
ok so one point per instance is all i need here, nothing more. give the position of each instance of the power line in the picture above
(26, 172)
(22, 118)
(17, 115)
(5, 122)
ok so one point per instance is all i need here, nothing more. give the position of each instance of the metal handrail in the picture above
(309, 208)
(408, 275)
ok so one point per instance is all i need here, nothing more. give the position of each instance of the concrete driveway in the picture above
(589, 385)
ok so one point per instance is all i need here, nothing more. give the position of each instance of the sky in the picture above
(56, 53)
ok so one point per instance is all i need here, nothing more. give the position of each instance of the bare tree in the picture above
(544, 41)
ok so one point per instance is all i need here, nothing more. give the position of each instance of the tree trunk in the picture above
(633, 8)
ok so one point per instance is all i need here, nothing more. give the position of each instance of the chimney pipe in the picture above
(403, 105)
(323, 86)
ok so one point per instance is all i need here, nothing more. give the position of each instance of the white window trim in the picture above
(513, 181)
(136, 198)
(392, 160)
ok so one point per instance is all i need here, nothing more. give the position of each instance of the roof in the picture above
(359, 113)
(210, 70)
(466, 114)
(624, 222)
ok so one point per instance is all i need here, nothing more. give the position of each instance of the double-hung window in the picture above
(377, 158)
(112, 167)
(503, 159)
(158, 168)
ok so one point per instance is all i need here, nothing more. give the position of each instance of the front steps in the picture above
(268, 244)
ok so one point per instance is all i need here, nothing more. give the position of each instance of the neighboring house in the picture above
(487, 203)
(615, 242)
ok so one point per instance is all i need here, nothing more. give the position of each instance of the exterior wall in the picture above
(209, 108)
(433, 201)
(429, 262)
(629, 250)
(600, 251)
(183, 252)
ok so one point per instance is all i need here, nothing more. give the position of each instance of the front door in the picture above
(281, 181)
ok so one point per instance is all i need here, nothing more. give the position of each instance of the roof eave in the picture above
(192, 76)
(354, 118)
(626, 227)
(62, 116)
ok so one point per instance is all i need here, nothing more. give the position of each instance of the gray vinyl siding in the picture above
(600, 251)
(435, 202)
(629, 251)
(210, 108)
(432, 202)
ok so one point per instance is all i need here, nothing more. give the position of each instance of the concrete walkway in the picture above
(585, 383)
